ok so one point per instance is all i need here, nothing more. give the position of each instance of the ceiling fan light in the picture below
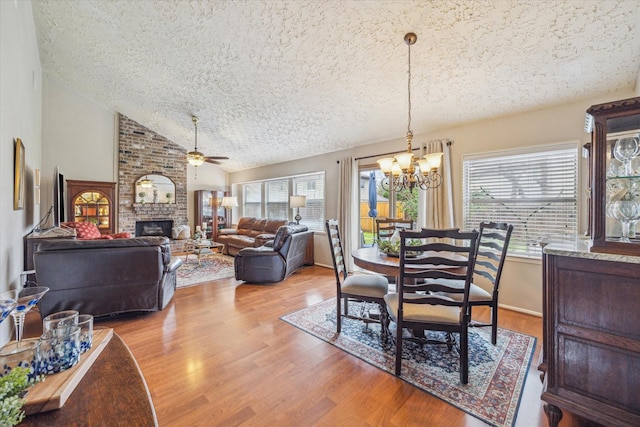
(195, 158)
(146, 182)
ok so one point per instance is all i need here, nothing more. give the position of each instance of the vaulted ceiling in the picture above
(278, 80)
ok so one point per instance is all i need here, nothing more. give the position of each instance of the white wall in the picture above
(521, 285)
(20, 117)
(79, 135)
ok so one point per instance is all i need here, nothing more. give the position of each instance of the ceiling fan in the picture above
(195, 157)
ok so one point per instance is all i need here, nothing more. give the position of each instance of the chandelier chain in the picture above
(409, 89)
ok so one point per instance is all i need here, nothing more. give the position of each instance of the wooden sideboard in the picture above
(591, 336)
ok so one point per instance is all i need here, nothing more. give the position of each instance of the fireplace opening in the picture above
(160, 227)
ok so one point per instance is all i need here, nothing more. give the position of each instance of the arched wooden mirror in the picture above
(155, 189)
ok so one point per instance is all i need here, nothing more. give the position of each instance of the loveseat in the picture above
(275, 260)
(250, 233)
(103, 277)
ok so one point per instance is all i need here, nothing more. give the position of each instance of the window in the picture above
(534, 189)
(311, 186)
(252, 198)
(276, 199)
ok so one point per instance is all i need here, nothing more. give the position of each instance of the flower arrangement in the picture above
(392, 247)
(12, 388)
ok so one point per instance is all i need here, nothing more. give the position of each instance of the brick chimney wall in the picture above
(143, 152)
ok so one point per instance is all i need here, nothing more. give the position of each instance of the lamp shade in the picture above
(297, 201)
(229, 202)
(434, 160)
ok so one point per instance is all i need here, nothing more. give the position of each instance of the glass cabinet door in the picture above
(92, 206)
(615, 181)
(623, 185)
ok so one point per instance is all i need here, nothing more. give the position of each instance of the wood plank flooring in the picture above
(219, 355)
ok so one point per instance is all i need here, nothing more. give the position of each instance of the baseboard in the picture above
(520, 310)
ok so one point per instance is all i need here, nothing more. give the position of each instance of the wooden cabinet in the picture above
(615, 176)
(92, 201)
(591, 336)
(207, 210)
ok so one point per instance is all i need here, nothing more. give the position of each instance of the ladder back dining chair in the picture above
(369, 288)
(429, 259)
(493, 242)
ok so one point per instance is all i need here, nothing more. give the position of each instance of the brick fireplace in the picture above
(142, 152)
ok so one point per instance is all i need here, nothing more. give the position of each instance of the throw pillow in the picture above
(85, 230)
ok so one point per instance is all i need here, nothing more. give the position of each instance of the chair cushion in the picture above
(476, 293)
(426, 313)
(369, 285)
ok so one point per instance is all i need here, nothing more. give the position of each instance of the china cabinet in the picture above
(615, 181)
(92, 201)
(207, 211)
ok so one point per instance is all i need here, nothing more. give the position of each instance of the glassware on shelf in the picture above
(26, 299)
(625, 150)
(625, 211)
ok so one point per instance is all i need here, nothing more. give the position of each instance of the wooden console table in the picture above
(113, 391)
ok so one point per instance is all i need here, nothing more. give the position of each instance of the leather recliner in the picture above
(104, 277)
(275, 260)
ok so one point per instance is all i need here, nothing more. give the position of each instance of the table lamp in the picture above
(229, 202)
(297, 202)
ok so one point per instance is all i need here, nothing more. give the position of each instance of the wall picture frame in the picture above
(18, 175)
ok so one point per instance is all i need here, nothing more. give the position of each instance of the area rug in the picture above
(496, 373)
(213, 268)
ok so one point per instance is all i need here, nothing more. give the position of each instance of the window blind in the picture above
(311, 186)
(536, 191)
(277, 199)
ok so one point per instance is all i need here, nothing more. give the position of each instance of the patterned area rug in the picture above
(213, 268)
(496, 373)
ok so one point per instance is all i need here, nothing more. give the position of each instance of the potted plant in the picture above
(142, 194)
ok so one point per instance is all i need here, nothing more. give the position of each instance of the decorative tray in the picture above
(54, 391)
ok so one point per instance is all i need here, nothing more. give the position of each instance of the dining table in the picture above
(372, 259)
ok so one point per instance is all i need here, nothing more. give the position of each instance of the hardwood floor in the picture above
(220, 355)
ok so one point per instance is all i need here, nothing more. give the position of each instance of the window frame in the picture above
(569, 205)
(317, 224)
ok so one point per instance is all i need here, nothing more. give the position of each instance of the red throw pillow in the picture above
(123, 235)
(86, 230)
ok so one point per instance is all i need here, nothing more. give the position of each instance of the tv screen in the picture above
(58, 197)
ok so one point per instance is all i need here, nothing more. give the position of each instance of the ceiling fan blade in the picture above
(214, 162)
(216, 157)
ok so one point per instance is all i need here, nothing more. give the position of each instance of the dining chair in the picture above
(385, 227)
(428, 259)
(493, 242)
(363, 287)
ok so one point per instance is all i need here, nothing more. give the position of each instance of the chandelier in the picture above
(195, 158)
(401, 172)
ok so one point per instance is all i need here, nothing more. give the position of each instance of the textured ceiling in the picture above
(277, 80)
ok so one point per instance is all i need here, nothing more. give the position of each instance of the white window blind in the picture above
(252, 200)
(277, 199)
(535, 190)
(311, 186)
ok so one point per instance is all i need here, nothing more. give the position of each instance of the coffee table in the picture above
(203, 248)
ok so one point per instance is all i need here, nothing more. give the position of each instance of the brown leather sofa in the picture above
(250, 233)
(275, 260)
(105, 277)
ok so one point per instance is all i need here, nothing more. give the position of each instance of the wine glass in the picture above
(26, 298)
(625, 211)
(625, 150)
